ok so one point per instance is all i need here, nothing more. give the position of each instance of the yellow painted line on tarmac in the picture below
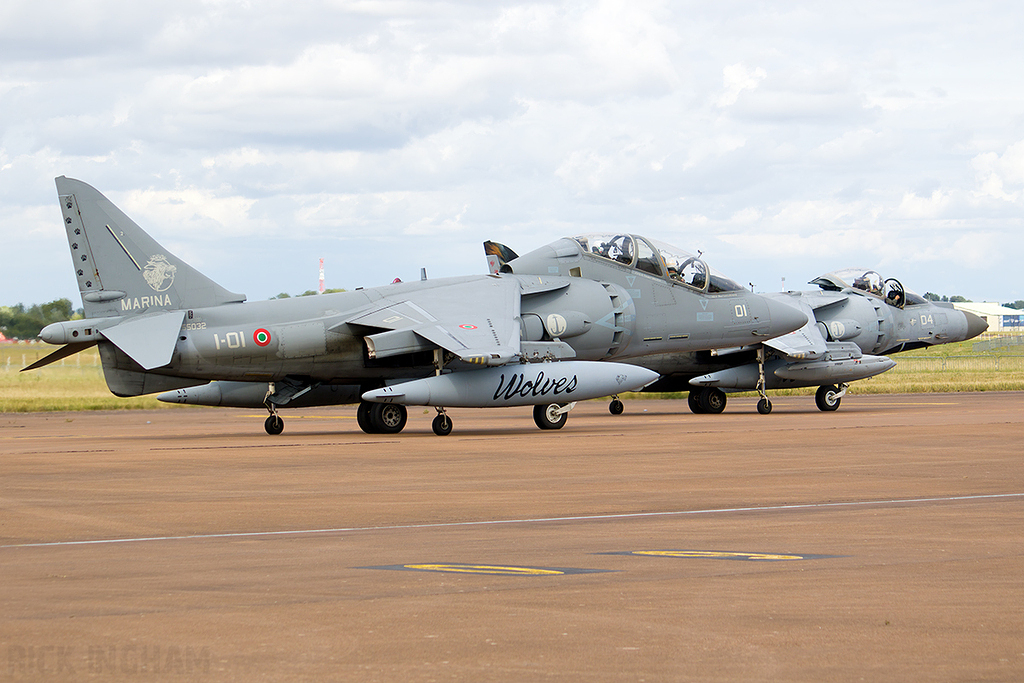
(718, 555)
(919, 403)
(488, 569)
(484, 569)
(723, 555)
(303, 417)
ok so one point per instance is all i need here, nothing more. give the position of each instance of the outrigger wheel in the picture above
(550, 416)
(827, 398)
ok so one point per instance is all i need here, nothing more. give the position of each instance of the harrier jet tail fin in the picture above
(121, 270)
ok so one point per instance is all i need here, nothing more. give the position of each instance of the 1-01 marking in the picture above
(231, 340)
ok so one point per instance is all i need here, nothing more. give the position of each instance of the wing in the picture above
(477, 319)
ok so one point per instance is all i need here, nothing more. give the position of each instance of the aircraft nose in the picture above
(975, 325)
(785, 318)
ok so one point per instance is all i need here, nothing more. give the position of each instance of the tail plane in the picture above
(134, 293)
(121, 270)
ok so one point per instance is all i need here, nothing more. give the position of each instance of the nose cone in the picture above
(975, 325)
(784, 318)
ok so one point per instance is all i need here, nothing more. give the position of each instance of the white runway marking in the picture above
(538, 520)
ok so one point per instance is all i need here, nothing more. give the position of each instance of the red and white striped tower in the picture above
(321, 276)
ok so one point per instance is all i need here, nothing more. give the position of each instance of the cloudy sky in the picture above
(783, 139)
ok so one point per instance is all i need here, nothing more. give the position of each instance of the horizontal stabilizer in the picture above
(62, 352)
(148, 340)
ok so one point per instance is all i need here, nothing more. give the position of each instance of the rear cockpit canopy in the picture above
(869, 281)
(657, 258)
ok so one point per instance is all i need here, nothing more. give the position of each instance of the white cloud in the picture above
(1001, 176)
(913, 206)
(785, 138)
(735, 79)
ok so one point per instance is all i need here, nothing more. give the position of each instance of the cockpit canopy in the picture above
(658, 259)
(891, 290)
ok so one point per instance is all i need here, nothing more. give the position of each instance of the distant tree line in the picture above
(951, 299)
(1018, 304)
(18, 322)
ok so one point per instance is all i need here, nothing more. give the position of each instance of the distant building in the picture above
(998, 317)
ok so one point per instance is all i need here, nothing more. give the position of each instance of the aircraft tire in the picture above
(764, 406)
(442, 425)
(827, 398)
(693, 400)
(616, 407)
(274, 425)
(388, 418)
(712, 400)
(546, 419)
(363, 417)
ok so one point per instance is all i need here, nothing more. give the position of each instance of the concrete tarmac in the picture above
(883, 542)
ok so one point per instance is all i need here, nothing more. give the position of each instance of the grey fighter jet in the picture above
(854, 321)
(545, 339)
(850, 323)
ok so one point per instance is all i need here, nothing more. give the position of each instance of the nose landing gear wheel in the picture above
(442, 425)
(764, 406)
(274, 425)
(616, 407)
(548, 417)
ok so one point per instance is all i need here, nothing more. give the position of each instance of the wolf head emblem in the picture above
(159, 273)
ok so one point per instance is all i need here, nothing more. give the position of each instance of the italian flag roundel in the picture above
(261, 337)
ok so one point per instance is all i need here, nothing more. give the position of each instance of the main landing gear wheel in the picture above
(712, 400)
(549, 417)
(363, 416)
(764, 406)
(616, 407)
(274, 425)
(381, 418)
(827, 398)
(442, 425)
(388, 418)
(693, 400)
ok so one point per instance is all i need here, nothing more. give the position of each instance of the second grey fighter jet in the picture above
(544, 339)
(854, 321)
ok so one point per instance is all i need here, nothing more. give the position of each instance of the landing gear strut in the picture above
(274, 424)
(764, 406)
